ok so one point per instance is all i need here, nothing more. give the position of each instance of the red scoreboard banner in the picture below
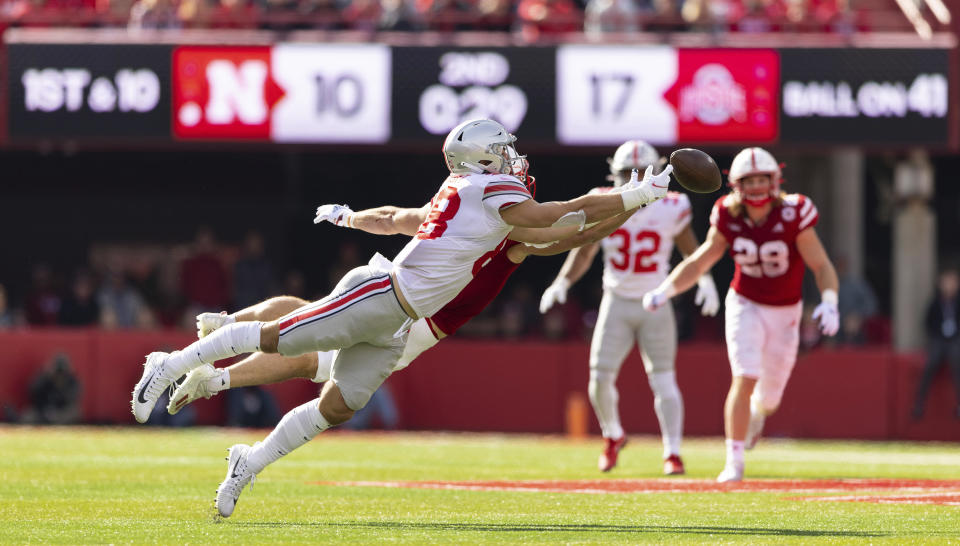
(221, 93)
(726, 95)
(282, 93)
(608, 94)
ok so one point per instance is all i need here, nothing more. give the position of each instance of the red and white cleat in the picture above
(673, 466)
(608, 459)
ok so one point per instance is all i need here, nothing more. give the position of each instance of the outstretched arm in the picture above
(540, 236)
(591, 208)
(582, 239)
(386, 220)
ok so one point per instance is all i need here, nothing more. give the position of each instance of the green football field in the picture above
(146, 485)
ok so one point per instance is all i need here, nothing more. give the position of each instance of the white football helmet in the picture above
(483, 145)
(752, 161)
(632, 154)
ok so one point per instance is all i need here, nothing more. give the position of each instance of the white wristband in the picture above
(829, 296)
(347, 220)
(634, 198)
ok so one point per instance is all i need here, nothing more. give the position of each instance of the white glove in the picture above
(707, 297)
(555, 293)
(828, 313)
(648, 190)
(655, 300)
(338, 215)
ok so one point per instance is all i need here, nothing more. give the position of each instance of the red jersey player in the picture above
(770, 237)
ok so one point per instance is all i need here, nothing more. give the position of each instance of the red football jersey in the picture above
(477, 295)
(769, 269)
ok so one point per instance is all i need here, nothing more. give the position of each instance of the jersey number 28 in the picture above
(771, 259)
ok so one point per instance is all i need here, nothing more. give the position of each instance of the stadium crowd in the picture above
(530, 19)
(148, 286)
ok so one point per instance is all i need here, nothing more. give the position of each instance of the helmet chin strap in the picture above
(477, 169)
(758, 202)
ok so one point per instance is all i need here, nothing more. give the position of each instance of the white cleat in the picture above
(237, 478)
(731, 473)
(208, 322)
(150, 387)
(194, 387)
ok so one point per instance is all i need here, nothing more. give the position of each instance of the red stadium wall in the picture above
(525, 386)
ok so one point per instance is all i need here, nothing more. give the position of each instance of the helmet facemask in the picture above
(513, 162)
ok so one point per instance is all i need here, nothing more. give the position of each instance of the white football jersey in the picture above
(463, 230)
(636, 257)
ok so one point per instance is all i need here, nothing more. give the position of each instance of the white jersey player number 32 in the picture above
(647, 245)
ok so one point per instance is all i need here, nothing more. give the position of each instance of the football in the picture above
(695, 170)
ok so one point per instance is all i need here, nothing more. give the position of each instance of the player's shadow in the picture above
(572, 528)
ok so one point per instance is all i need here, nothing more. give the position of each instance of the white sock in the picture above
(231, 340)
(668, 405)
(734, 452)
(220, 382)
(297, 427)
(604, 398)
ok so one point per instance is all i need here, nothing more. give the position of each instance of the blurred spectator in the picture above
(192, 13)
(161, 290)
(203, 278)
(152, 14)
(54, 394)
(348, 257)
(233, 14)
(492, 15)
(943, 339)
(294, 284)
(401, 15)
(251, 407)
(753, 16)
(121, 306)
(80, 307)
(252, 274)
(381, 409)
(7, 317)
(714, 15)
(842, 19)
(42, 305)
(539, 18)
(361, 15)
(603, 16)
(519, 314)
(858, 303)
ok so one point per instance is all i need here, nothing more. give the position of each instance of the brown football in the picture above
(695, 170)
